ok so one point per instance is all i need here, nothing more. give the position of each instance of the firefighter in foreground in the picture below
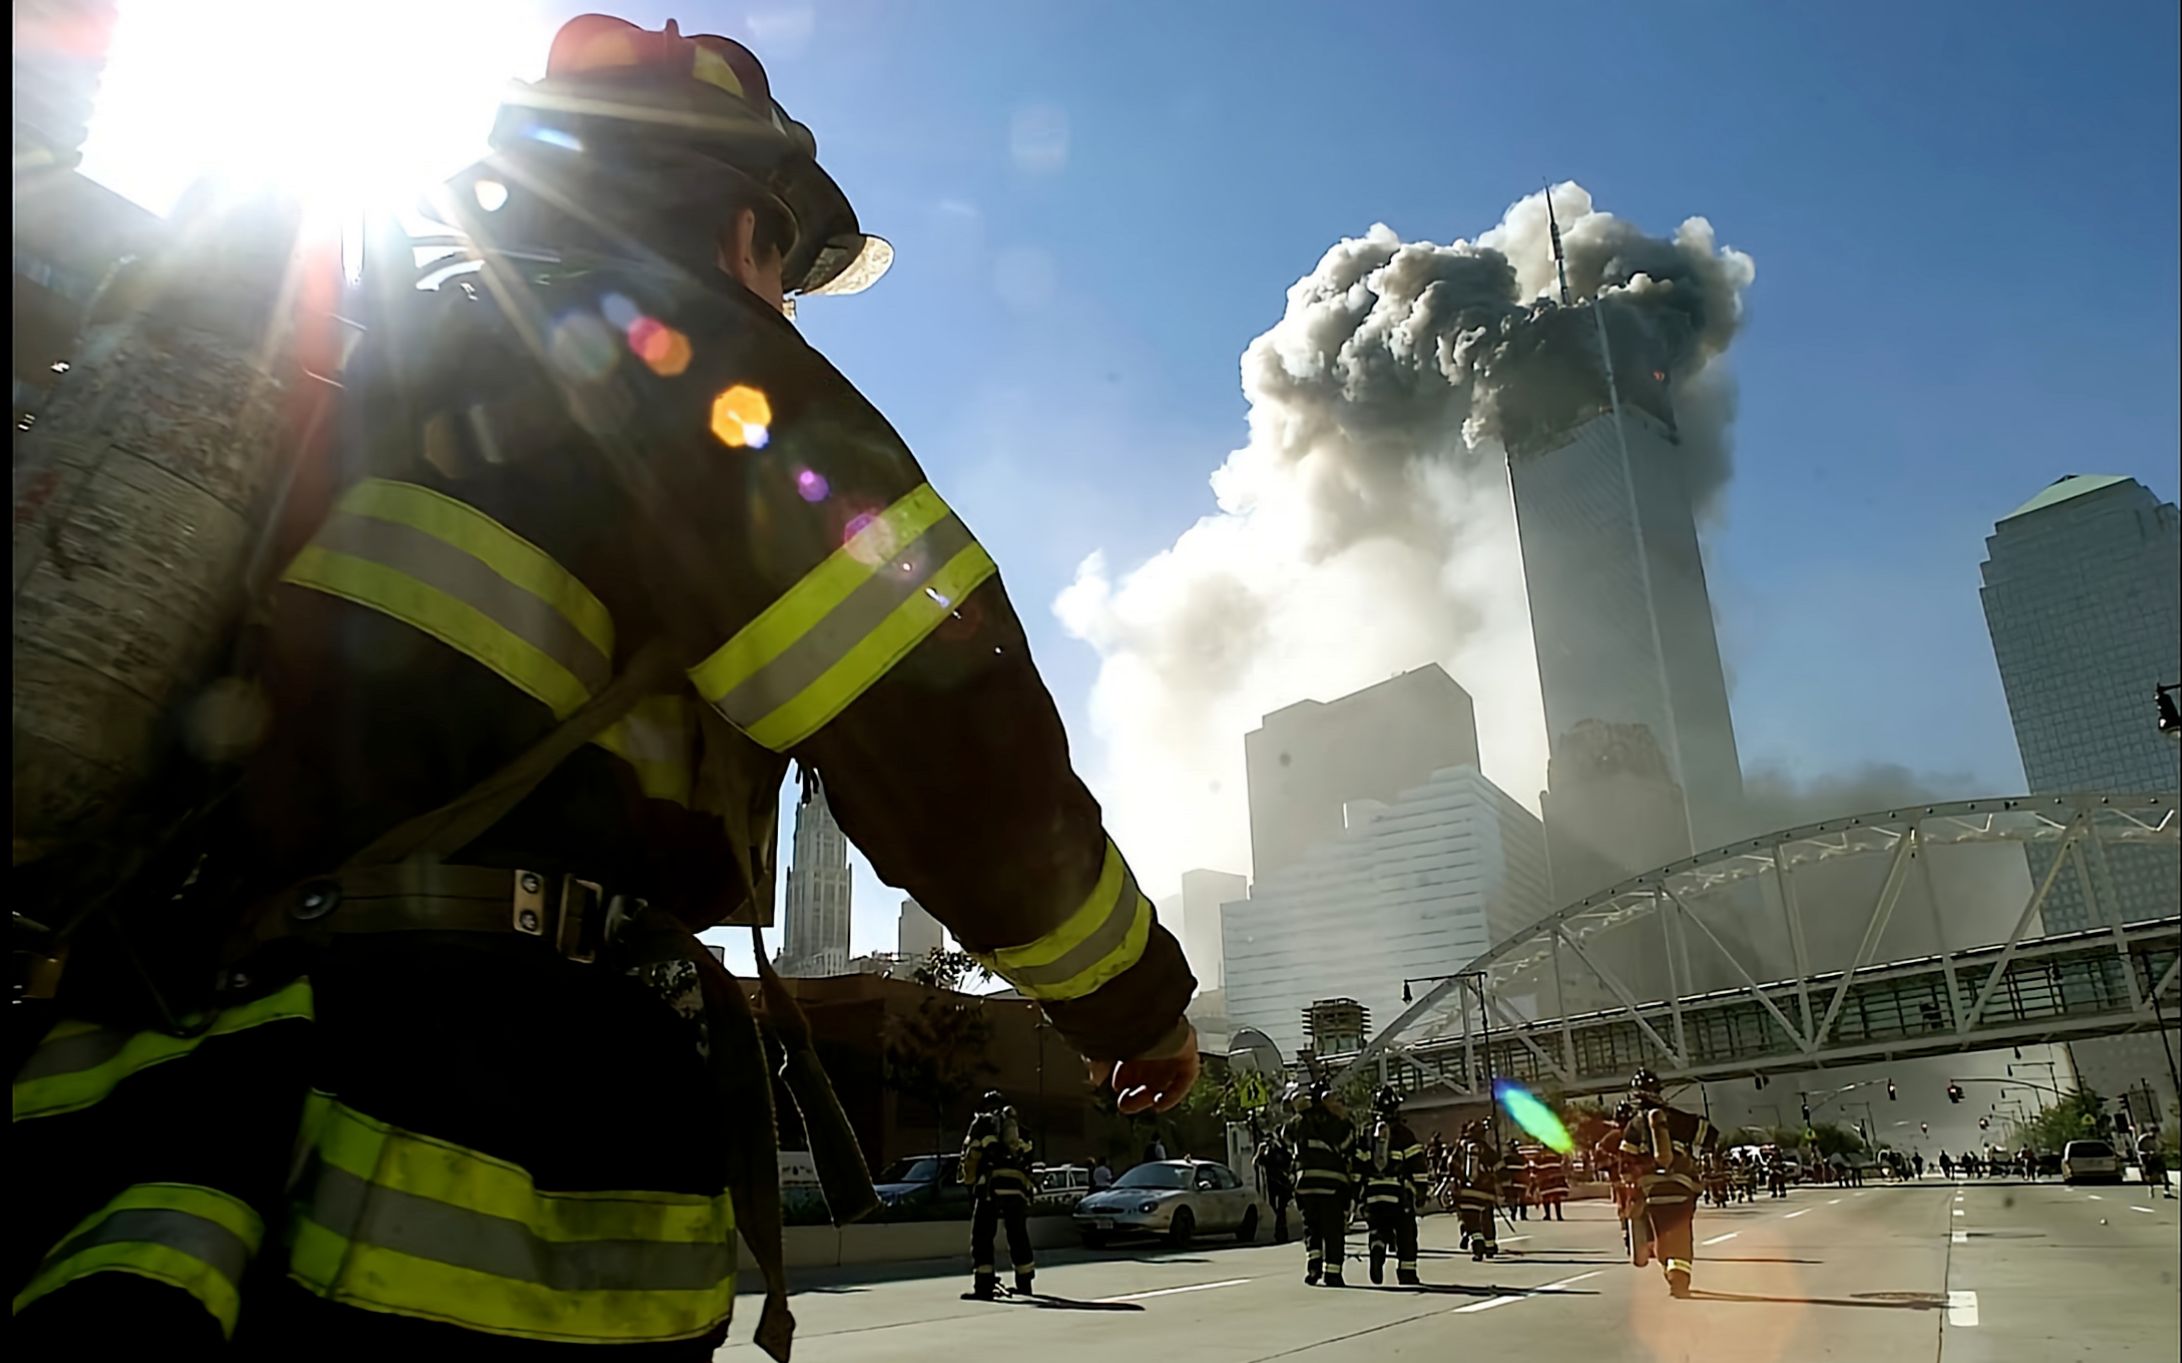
(1477, 1190)
(996, 1165)
(1324, 1143)
(1395, 1178)
(1663, 1148)
(462, 1000)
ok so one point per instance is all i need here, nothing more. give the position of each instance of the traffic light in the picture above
(1890, 1090)
(1924, 1128)
(1954, 1092)
(1806, 1114)
(1983, 1124)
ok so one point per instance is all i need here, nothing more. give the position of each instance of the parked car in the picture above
(923, 1185)
(1174, 1198)
(2090, 1162)
(1059, 1187)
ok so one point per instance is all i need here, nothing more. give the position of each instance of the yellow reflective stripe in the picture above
(490, 542)
(194, 1238)
(659, 739)
(823, 588)
(833, 635)
(76, 1068)
(393, 1221)
(457, 624)
(1099, 940)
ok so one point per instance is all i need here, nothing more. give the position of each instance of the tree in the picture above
(950, 970)
(936, 1055)
(2078, 1116)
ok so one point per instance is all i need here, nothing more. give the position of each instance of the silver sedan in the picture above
(1177, 1199)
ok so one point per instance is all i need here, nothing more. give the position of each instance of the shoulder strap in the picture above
(653, 669)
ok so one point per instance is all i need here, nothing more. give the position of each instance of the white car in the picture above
(1174, 1198)
(2090, 1162)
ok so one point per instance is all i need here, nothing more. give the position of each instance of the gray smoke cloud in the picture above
(1365, 527)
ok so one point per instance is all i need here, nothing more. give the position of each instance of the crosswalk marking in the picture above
(1962, 1308)
(1171, 1291)
(1960, 1237)
(1490, 1302)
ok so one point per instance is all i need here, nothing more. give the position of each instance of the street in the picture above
(1983, 1273)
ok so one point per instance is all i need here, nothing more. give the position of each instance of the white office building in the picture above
(2083, 598)
(917, 934)
(1417, 885)
(817, 920)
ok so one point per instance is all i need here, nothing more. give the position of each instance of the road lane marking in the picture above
(1510, 1239)
(1793, 1215)
(2094, 1197)
(1170, 1291)
(1958, 1197)
(1833, 1202)
(1490, 1302)
(1962, 1308)
(1960, 1237)
(1721, 1239)
(2146, 1210)
(1958, 1211)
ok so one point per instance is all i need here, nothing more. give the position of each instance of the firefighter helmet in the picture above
(1644, 1084)
(1388, 1100)
(993, 1100)
(673, 120)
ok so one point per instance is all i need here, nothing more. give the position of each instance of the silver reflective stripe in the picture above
(442, 566)
(209, 1242)
(793, 670)
(444, 1233)
(1103, 941)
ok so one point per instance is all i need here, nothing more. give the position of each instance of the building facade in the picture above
(1305, 762)
(1621, 619)
(917, 934)
(1416, 885)
(817, 921)
(2083, 599)
(1204, 895)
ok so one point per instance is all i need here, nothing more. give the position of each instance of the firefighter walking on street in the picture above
(1607, 1153)
(1395, 1179)
(1665, 1147)
(1549, 1182)
(1277, 1175)
(435, 1065)
(1323, 1142)
(996, 1166)
(1477, 1190)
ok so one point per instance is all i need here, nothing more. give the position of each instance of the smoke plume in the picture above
(1366, 526)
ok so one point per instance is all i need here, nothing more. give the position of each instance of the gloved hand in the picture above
(1157, 1080)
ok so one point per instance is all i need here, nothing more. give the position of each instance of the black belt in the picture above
(572, 915)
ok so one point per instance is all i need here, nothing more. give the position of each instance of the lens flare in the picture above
(742, 417)
(1537, 1120)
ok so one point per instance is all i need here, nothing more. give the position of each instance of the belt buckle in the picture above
(582, 921)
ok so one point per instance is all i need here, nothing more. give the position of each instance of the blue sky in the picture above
(1963, 217)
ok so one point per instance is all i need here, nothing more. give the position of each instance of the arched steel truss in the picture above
(2116, 977)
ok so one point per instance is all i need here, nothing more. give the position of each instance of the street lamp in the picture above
(1476, 980)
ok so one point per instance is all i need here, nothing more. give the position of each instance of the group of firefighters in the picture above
(1656, 1154)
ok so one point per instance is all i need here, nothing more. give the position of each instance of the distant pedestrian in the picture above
(1916, 1162)
(1156, 1152)
(2153, 1161)
(1102, 1174)
(1947, 1165)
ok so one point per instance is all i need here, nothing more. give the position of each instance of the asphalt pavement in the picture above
(1966, 1273)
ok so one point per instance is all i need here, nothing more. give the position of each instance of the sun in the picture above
(352, 103)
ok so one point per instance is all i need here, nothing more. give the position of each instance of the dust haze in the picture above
(1365, 528)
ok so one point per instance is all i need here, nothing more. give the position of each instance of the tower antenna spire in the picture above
(1560, 261)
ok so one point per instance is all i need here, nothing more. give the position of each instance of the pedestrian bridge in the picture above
(1498, 1019)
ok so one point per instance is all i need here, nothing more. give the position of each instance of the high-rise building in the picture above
(60, 51)
(2083, 599)
(1416, 885)
(917, 934)
(818, 892)
(1204, 895)
(1620, 616)
(1306, 761)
